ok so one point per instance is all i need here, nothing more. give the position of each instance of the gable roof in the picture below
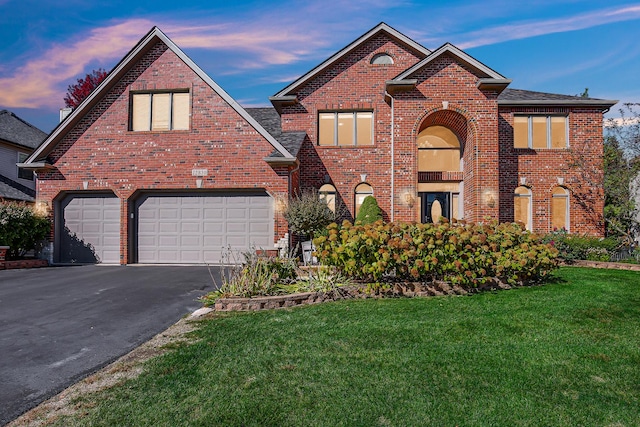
(37, 159)
(490, 79)
(515, 97)
(380, 28)
(16, 131)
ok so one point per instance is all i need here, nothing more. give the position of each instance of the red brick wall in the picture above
(580, 166)
(350, 84)
(102, 151)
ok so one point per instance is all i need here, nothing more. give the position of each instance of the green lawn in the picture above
(563, 354)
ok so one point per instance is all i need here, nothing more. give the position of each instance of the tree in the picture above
(308, 213)
(76, 93)
(369, 211)
(621, 172)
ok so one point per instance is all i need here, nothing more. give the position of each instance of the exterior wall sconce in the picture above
(85, 184)
(199, 182)
(409, 199)
(489, 198)
(560, 181)
(280, 203)
(363, 177)
(42, 208)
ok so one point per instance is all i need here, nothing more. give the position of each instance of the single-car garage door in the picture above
(90, 231)
(198, 228)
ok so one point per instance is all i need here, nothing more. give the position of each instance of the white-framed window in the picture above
(24, 173)
(522, 206)
(540, 131)
(160, 111)
(339, 128)
(560, 208)
(362, 191)
(328, 193)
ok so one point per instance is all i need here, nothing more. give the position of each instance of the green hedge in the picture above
(465, 254)
(21, 228)
(573, 247)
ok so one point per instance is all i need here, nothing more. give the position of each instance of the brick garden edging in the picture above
(21, 263)
(405, 289)
(609, 265)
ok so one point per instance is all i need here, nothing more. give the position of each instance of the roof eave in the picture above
(280, 161)
(603, 103)
(283, 101)
(395, 86)
(36, 166)
(497, 85)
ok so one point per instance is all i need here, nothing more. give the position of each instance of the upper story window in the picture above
(24, 173)
(438, 150)
(345, 128)
(382, 59)
(540, 132)
(160, 111)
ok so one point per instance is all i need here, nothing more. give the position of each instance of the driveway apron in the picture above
(60, 324)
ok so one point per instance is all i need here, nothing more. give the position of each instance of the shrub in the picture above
(466, 254)
(21, 228)
(308, 214)
(572, 247)
(255, 276)
(369, 211)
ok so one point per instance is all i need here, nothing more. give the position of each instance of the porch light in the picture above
(489, 198)
(409, 198)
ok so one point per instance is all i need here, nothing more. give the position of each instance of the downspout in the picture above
(386, 93)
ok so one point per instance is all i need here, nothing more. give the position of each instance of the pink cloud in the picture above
(39, 82)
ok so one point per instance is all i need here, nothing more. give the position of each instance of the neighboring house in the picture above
(160, 165)
(18, 139)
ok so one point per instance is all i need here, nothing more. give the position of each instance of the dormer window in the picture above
(382, 59)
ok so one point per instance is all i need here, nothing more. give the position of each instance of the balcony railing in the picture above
(440, 176)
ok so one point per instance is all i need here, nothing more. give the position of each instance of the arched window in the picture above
(522, 206)
(560, 208)
(382, 59)
(328, 193)
(362, 190)
(438, 150)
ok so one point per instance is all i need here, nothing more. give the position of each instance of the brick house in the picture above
(160, 165)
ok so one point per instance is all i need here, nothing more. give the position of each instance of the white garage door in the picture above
(90, 231)
(196, 228)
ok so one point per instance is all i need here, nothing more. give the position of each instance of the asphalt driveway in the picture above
(60, 324)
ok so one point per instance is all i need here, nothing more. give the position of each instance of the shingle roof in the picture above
(519, 96)
(9, 189)
(270, 120)
(15, 130)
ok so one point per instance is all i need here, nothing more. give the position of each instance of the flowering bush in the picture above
(21, 228)
(465, 254)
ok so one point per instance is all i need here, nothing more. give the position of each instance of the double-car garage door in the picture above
(169, 228)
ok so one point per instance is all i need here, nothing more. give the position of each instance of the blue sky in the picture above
(255, 48)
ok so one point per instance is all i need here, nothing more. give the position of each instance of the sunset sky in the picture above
(255, 48)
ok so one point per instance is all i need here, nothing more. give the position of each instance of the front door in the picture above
(435, 205)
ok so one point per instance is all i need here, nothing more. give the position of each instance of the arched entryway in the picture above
(440, 166)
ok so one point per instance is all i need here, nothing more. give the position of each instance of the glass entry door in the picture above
(435, 205)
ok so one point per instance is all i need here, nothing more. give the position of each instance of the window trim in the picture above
(171, 118)
(324, 193)
(566, 196)
(336, 115)
(529, 197)
(356, 193)
(548, 120)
